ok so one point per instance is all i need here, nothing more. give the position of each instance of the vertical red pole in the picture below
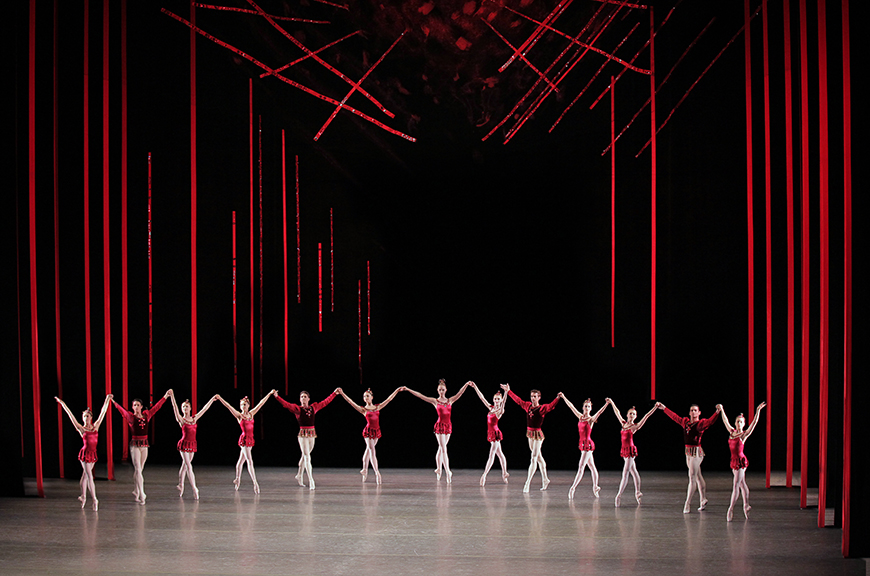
(150, 307)
(56, 237)
(319, 288)
(847, 281)
(823, 263)
(107, 317)
(652, 108)
(298, 241)
(750, 238)
(193, 302)
(235, 327)
(125, 364)
(286, 271)
(805, 257)
(359, 325)
(251, 220)
(87, 210)
(612, 214)
(767, 243)
(789, 179)
(31, 169)
(260, 213)
(331, 265)
(369, 297)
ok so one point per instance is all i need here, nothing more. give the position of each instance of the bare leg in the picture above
(493, 446)
(636, 476)
(536, 461)
(239, 463)
(182, 475)
(366, 460)
(443, 439)
(735, 492)
(301, 466)
(744, 488)
(83, 484)
(187, 464)
(581, 467)
(373, 457)
(623, 482)
(138, 456)
(502, 460)
(696, 481)
(307, 445)
(246, 453)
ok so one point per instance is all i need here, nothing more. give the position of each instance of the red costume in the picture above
(692, 431)
(443, 426)
(534, 415)
(247, 437)
(738, 460)
(139, 424)
(584, 427)
(493, 434)
(305, 415)
(188, 438)
(373, 425)
(88, 453)
(628, 449)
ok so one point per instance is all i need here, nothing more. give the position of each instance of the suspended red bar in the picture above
(298, 241)
(87, 215)
(789, 185)
(245, 11)
(369, 297)
(31, 168)
(107, 317)
(522, 56)
(193, 268)
(125, 375)
(54, 141)
(235, 314)
(260, 211)
(750, 236)
(333, 4)
(612, 214)
(251, 219)
(331, 265)
(319, 50)
(653, 217)
(150, 309)
(767, 244)
(536, 35)
(286, 271)
(823, 264)
(805, 257)
(319, 287)
(626, 4)
(847, 282)
(359, 325)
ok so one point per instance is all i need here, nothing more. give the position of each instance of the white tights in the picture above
(739, 488)
(629, 469)
(245, 456)
(138, 456)
(495, 450)
(87, 484)
(186, 471)
(441, 459)
(537, 461)
(696, 480)
(370, 457)
(586, 461)
(306, 445)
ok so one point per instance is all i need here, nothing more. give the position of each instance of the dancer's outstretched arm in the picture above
(79, 428)
(175, 409)
(576, 412)
(482, 397)
(645, 417)
(353, 404)
(428, 399)
(725, 421)
(103, 411)
(600, 410)
(391, 396)
(754, 421)
(204, 408)
(259, 405)
(456, 396)
(617, 412)
(236, 414)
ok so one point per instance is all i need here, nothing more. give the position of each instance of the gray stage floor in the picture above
(411, 525)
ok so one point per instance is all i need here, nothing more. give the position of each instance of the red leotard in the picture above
(247, 437)
(692, 431)
(373, 425)
(305, 416)
(534, 415)
(628, 449)
(188, 438)
(738, 459)
(88, 453)
(139, 425)
(493, 434)
(584, 427)
(443, 426)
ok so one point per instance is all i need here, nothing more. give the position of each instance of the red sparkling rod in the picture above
(612, 214)
(847, 283)
(594, 76)
(54, 155)
(789, 185)
(194, 365)
(356, 86)
(805, 254)
(625, 4)
(150, 294)
(369, 296)
(287, 80)
(307, 56)
(286, 271)
(653, 197)
(260, 211)
(522, 56)
(359, 325)
(107, 317)
(695, 83)
(246, 11)
(536, 35)
(750, 241)
(319, 287)
(251, 218)
(318, 59)
(767, 245)
(667, 76)
(86, 146)
(342, 6)
(124, 267)
(235, 315)
(608, 55)
(331, 265)
(298, 241)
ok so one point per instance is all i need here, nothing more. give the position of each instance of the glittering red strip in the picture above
(847, 283)
(54, 158)
(331, 265)
(235, 315)
(251, 219)
(805, 255)
(193, 268)
(789, 185)
(522, 56)
(767, 245)
(107, 317)
(287, 80)
(150, 297)
(359, 325)
(342, 6)
(260, 213)
(355, 87)
(246, 11)
(125, 373)
(536, 35)
(369, 297)
(86, 147)
(298, 241)
(612, 214)
(319, 287)
(307, 56)
(653, 194)
(286, 271)
(750, 237)
(625, 4)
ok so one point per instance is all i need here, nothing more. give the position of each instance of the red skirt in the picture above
(739, 462)
(629, 452)
(494, 436)
(369, 432)
(86, 455)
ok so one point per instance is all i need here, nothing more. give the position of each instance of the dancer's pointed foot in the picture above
(142, 500)
(526, 487)
(180, 490)
(96, 505)
(236, 483)
(82, 500)
(365, 474)
(616, 502)
(299, 479)
(449, 477)
(378, 478)
(730, 515)
(256, 488)
(687, 509)
(703, 505)
(438, 475)
(638, 496)
(504, 476)
(311, 485)
(545, 483)
(596, 490)
(571, 493)
(746, 509)
(196, 493)
(483, 480)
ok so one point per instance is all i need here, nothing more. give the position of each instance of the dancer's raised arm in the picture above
(259, 405)
(204, 408)
(353, 404)
(236, 414)
(79, 428)
(725, 421)
(573, 408)
(103, 411)
(481, 396)
(428, 399)
(175, 410)
(393, 395)
(456, 396)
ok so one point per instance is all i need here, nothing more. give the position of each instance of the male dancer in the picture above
(693, 429)
(535, 412)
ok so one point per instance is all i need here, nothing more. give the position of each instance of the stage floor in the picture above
(411, 525)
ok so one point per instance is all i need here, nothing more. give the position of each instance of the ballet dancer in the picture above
(736, 438)
(245, 417)
(693, 428)
(535, 412)
(305, 412)
(585, 421)
(443, 405)
(628, 451)
(89, 431)
(493, 434)
(138, 421)
(372, 431)
(187, 445)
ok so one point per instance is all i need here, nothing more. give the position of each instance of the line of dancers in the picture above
(693, 429)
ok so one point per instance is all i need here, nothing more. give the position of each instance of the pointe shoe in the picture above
(703, 505)
(449, 477)
(483, 480)
(311, 485)
(571, 493)
(504, 477)
(96, 505)
(687, 509)
(746, 510)
(378, 478)
(616, 502)
(256, 488)
(365, 474)
(142, 500)
(82, 500)
(730, 515)
(596, 490)
(299, 479)
(638, 496)
(196, 493)
(236, 484)
(438, 475)
(180, 490)
(545, 484)
(526, 488)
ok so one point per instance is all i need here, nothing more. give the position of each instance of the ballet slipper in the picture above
(449, 477)
(746, 510)
(730, 515)
(703, 505)
(180, 490)
(616, 502)
(438, 475)
(483, 480)
(256, 488)
(311, 485)
(196, 493)
(96, 504)
(571, 493)
(596, 490)
(638, 496)
(378, 478)
(299, 479)
(687, 509)
(236, 483)
(504, 476)
(526, 488)
(82, 500)
(545, 483)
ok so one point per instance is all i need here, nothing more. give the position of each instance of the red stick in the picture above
(750, 237)
(522, 56)
(125, 324)
(319, 287)
(251, 218)
(87, 209)
(369, 296)
(260, 184)
(805, 257)
(286, 271)
(331, 265)
(245, 11)
(235, 330)
(298, 241)
(612, 214)
(789, 184)
(150, 305)
(767, 244)
(193, 268)
(536, 35)
(359, 325)
(653, 175)
(847, 283)
(107, 317)
(298, 60)
(625, 4)
(823, 264)
(56, 236)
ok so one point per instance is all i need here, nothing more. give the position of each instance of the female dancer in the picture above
(245, 417)
(138, 421)
(89, 431)
(584, 426)
(535, 412)
(372, 431)
(305, 412)
(493, 434)
(629, 451)
(737, 437)
(187, 444)
(693, 429)
(443, 428)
